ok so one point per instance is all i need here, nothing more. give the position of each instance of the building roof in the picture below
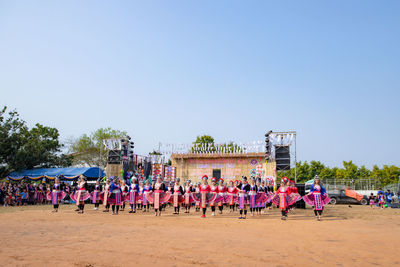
(51, 173)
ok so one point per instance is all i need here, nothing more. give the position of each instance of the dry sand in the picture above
(357, 236)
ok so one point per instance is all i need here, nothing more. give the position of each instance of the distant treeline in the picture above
(389, 174)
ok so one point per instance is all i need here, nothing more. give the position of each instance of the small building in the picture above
(228, 166)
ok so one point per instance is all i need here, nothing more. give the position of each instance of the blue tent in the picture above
(52, 173)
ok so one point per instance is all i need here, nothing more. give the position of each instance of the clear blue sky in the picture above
(170, 70)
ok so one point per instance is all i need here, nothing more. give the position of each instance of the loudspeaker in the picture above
(282, 158)
(114, 157)
(147, 169)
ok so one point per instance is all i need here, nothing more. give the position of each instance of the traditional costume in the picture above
(294, 194)
(205, 196)
(213, 190)
(188, 196)
(104, 196)
(133, 196)
(177, 196)
(252, 197)
(317, 198)
(81, 195)
(158, 197)
(243, 199)
(146, 189)
(222, 194)
(56, 195)
(96, 195)
(124, 189)
(115, 198)
(282, 198)
(232, 194)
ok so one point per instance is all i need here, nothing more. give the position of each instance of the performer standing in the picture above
(213, 190)
(261, 196)
(222, 194)
(197, 201)
(133, 195)
(158, 196)
(294, 194)
(146, 189)
(252, 195)
(81, 195)
(317, 198)
(204, 190)
(188, 196)
(282, 197)
(177, 196)
(56, 195)
(243, 200)
(124, 189)
(269, 190)
(115, 198)
(106, 194)
(232, 196)
(140, 200)
(96, 195)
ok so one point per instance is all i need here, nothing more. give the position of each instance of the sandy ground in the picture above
(357, 236)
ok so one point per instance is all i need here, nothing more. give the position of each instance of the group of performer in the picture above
(254, 195)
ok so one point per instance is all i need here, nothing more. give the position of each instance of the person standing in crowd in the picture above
(389, 198)
(222, 194)
(232, 196)
(197, 201)
(177, 196)
(146, 189)
(96, 195)
(24, 197)
(188, 196)
(243, 200)
(81, 195)
(381, 199)
(56, 195)
(115, 198)
(213, 190)
(252, 195)
(159, 196)
(133, 195)
(372, 200)
(261, 196)
(282, 197)
(204, 190)
(124, 189)
(105, 195)
(318, 198)
(139, 201)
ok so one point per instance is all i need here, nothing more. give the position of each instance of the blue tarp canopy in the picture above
(52, 173)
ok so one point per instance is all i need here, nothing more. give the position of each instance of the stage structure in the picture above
(233, 160)
(281, 147)
(121, 158)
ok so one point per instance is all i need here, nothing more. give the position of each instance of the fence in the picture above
(355, 184)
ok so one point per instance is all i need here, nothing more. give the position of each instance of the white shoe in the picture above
(213, 214)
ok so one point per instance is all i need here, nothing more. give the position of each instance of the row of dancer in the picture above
(241, 194)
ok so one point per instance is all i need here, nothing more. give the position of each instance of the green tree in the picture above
(202, 142)
(89, 149)
(24, 148)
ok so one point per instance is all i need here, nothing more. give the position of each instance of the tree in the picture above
(203, 142)
(24, 148)
(89, 149)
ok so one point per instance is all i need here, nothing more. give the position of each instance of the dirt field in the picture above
(357, 236)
